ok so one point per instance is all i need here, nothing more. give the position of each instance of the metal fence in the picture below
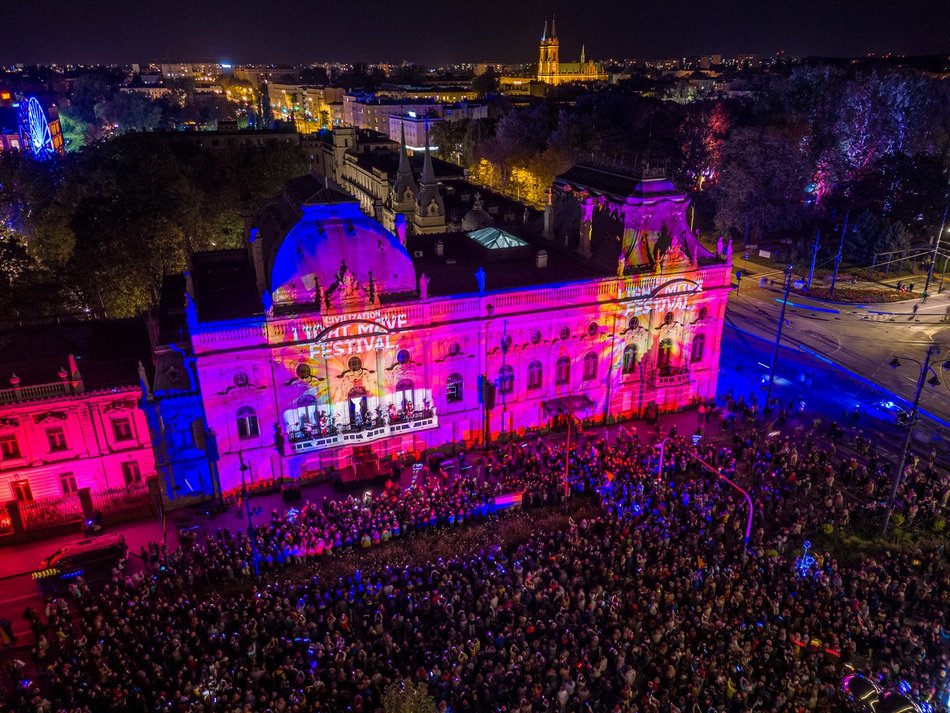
(46, 512)
(131, 497)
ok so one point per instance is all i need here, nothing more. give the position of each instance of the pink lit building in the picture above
(70, 415)
(331, 341)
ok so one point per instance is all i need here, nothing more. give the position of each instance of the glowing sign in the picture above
(650, 285)
(660, 304)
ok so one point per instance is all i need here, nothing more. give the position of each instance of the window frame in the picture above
(56, 439)
(629, 367)
(535, 375)
(120, 438)
(248, 425)
(454, 389)
(562, 371)
(10, 453)
(70, 478)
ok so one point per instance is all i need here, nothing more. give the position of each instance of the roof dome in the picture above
(336, 244)
(476, 218)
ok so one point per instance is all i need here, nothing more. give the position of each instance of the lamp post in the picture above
(778, 336)
(659, 472)
(250, 525)
(745, 494)
(933, 258)
(924, 368)
(834, 276)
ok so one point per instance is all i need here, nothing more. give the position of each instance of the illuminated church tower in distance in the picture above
(548, 59)
(554, 72)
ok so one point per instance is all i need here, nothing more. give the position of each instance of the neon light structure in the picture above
(806, 561)
(35, 133)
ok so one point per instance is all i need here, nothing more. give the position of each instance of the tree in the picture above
(486, 83)
(761, 182)
(408, 698)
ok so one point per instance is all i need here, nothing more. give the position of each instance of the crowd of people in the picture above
(652, 604)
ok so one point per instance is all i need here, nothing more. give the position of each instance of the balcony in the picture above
(301, 442)
(670, 376)
(37, 391)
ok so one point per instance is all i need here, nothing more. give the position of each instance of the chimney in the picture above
(541, 259)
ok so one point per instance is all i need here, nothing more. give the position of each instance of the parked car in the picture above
(76, 558)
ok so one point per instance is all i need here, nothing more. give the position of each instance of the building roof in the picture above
(224, 286)
(616, 183)
(453, 272)
(107, 352)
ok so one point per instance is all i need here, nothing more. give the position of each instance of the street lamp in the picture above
(250, 525)
(659, 472)
(745, 494)
(934, 381)
(778, 336)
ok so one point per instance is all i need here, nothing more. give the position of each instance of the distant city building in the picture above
(370, 112)
(309, 108)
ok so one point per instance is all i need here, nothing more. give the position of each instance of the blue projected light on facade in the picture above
(35, 135)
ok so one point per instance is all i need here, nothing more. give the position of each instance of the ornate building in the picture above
(332, 341)
(70, 415)
(552, 71)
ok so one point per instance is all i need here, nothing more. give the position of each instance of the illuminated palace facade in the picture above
(331, 341)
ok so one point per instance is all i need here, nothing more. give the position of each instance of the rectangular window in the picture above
(22, 491)
(131, 472)
(122, 429)
(67, 481)
(9, 447)
(56, 437)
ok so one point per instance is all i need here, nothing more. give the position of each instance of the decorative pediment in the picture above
(50, 417)
(119, 407)
(8, 424)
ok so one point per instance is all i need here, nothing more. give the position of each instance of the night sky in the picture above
(438, 31)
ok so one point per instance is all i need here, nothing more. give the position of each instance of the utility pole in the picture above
(778, 336)
(250, 525)
(844, 229)
(924, 368)
(933, 258)
(814, 257)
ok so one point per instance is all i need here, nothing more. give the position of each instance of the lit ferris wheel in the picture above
(34, 129)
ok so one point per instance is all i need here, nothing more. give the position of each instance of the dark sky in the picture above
(436, 31)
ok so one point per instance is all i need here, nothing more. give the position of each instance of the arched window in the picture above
(634, 323)
(590, 366)
(703, 312)
(247, 423)
(699, 348)
(506, 379)
(534, 375)
(665, 359)
(453, 389)
(405, 393)
(668, 319)
(562, 370)
(629, 359)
